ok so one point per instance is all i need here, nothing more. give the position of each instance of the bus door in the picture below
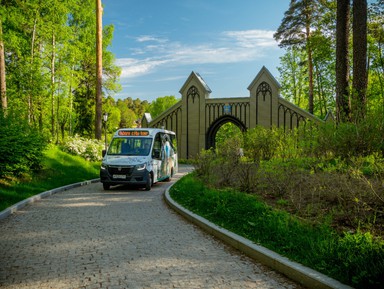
(157, 157)
(166, 161)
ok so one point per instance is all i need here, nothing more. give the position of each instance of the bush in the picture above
(89, 149)
(348, 139)
(352, 258)
(21, 147)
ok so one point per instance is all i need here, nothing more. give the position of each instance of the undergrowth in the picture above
(354, 258)
(58, 169)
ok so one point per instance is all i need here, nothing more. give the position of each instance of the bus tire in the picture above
(148, 185)
(106, 186)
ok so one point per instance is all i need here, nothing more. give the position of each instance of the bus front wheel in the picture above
(148, 185)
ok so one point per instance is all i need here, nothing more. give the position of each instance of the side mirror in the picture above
(103, 152)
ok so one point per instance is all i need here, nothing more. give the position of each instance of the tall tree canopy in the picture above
(348, 74)
(295, 30)
(50, 49)
(161, 104)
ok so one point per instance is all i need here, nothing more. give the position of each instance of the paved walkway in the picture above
(123, 238)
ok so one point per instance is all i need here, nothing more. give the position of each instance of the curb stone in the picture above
(14, 208)
(293, 270)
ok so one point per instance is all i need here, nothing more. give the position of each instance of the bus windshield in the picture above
(130, 146)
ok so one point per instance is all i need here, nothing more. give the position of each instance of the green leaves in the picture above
(21, 147)
(352, 258)
(50, 63)
(161, 104)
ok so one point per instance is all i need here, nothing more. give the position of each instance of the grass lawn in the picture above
(59, 169)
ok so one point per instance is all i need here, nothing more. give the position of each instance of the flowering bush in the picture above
(89, 149)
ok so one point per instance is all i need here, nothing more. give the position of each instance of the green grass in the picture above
(59, 169)
(355, 259)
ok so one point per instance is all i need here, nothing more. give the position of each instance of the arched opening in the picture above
(226, 125)
(227, 130)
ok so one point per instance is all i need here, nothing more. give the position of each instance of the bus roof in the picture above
(145, 132)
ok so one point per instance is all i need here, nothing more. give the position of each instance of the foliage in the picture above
(353, 258)
(50, 62)
(21, 147)
(335, 169)
(227, 130)
(58, 169)
(324, 178)
(161, 104)
(321, 43)
(348, 139)
(89, 149)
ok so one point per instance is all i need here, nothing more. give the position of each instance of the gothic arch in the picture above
(217, 124)
(193, 93)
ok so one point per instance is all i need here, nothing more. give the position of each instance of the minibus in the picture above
(139, 157)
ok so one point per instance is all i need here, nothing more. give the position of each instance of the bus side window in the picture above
(156, 153)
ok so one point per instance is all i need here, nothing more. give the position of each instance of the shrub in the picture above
(21, 147)
(89, 149)
(348, 139)
(260, 143)
(352, 258)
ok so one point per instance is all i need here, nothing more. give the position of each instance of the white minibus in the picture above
(139, 157)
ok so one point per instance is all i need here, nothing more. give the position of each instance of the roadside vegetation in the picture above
(315, 195)
(29, 166)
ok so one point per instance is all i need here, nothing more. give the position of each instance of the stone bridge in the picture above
(196, 118)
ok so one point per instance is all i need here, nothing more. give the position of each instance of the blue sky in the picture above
(159, 43)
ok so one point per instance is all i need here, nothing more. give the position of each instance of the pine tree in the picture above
(295, 30)
(359, 83)
(342, 61)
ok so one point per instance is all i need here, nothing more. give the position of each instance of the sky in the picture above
(158, 43)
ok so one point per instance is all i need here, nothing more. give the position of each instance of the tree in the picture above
(128, 117)
(3, 90)
(161, 104)
(292, 76)
(376, 55)
(342, 61)
(359, 83)
(295, 30)
(50, 57)
(99, 68)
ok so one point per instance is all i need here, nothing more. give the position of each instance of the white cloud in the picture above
(230, 47)
(134, 67)
(146, 38)
(252, 38)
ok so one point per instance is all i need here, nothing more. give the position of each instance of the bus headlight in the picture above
(140, 167)
(103, 166)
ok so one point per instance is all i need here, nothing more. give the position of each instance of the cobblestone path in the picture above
(122, 238)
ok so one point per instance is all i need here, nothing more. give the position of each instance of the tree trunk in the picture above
(99, 68)
(310, 65)
(53, 86)
(30, 99)
(360, 78)
(342, 61)
(3, 90)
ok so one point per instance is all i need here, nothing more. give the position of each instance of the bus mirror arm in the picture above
(103, 152)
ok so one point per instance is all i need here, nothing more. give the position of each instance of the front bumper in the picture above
(129, 175)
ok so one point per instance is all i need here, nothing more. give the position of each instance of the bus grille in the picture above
(117, 170)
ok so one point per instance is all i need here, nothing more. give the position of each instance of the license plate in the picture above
(119, 176)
